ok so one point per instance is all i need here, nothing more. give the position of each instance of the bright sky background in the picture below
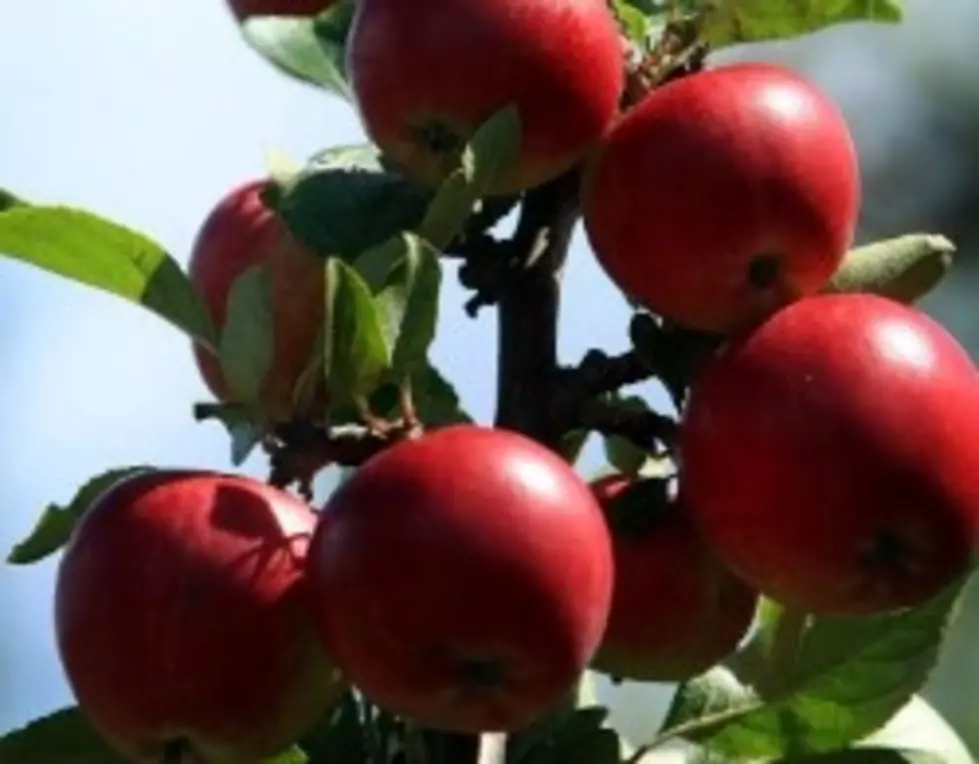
(147, 113)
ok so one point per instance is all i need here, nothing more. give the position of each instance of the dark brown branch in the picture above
(300, 449)
(528, 311)
(645, 429)
(601, 373)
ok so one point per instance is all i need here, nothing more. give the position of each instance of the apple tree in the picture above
(786, 547)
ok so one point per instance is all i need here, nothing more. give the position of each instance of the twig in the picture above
(645, 429)
(601, 373)
(300, 449)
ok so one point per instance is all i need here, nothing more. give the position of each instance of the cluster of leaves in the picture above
(381, 238)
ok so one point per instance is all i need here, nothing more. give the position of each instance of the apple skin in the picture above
(676, 610)
(422, 91)
(181, 618)
(463, 579)
(240, 232)
(242, 9)
(724, 195)
(829, 458)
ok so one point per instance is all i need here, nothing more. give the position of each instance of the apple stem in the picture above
(781, 641)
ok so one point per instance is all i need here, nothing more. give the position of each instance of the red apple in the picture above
(241, 232)
(242, 9)
(724, 195)
(830, 456)
(676, 610)
(462, 579)
(427, 73)
(181, 619)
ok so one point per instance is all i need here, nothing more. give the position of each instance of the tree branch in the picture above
(645, 429)
(301, 449)
(528, 310)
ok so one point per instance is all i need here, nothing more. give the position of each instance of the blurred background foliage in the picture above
(911, 94)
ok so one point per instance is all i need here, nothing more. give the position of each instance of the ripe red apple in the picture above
(462, 579)
(676, 610)
(724, 195)
(830, 456)
(181, 620)
(240, 232)
(426, 74)
(242, 9)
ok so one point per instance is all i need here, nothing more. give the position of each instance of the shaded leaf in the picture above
(345, 202)
(98, 253)
(568, 735)
(904, 269)
(408, 303)
(247, 337)
(852, 675)
(54, 527)
(436, 400)
(572, 442)
(354, 350)
(64, 736)
(309, 49)
(339, 737)
(493, 147)
(245, 432)
(736, 21)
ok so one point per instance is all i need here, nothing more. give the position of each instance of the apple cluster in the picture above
(465, 576)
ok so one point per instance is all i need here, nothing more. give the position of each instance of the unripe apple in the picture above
(243, 9)
(724, 195)
(428, 73)
(240, 232)
(462, 579)
(181, 620)
(676, 610)
(830, 456)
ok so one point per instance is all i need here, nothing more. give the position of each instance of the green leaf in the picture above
(245, 432)
(98, 253)
(293, 755)
(54, 527)
(355, 351)
(632, 21)
(247, 338)
(493, 147)
(309, 49)
(64, 736)
(904, 269)
(409, 304)
(917, 734)
(345, 201)
(726, 22)
(852, 675)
